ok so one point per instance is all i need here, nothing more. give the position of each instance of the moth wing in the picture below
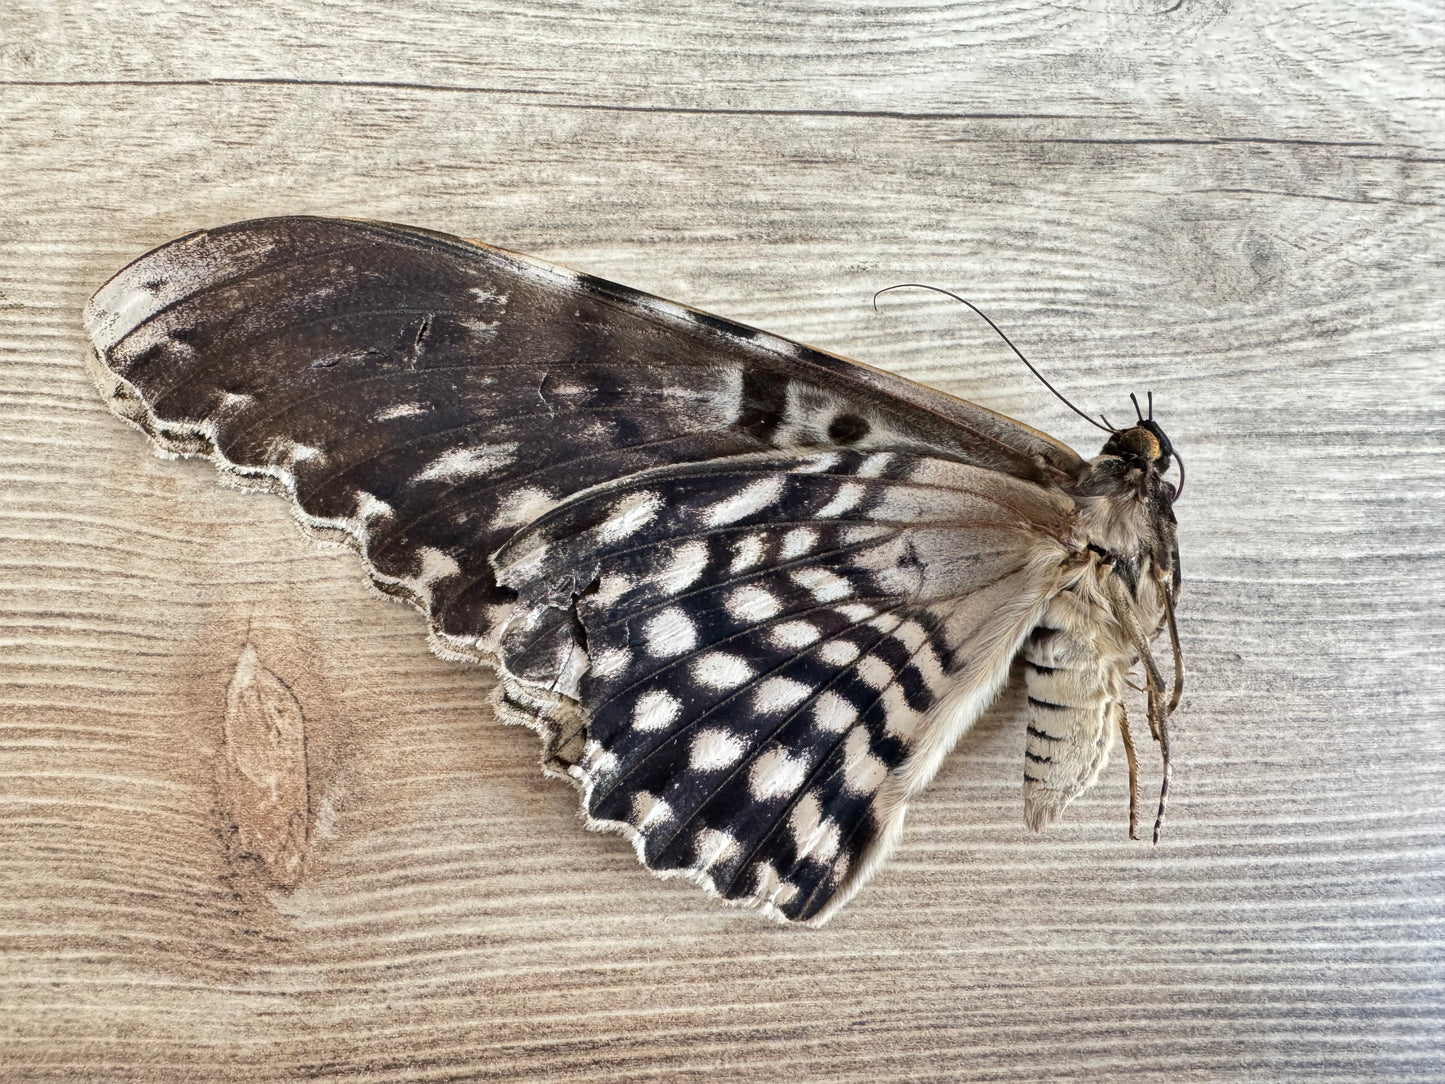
(430, 398)
(770, 654)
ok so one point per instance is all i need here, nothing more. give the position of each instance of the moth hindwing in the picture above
(748, 593)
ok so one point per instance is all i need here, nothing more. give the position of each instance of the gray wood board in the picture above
(1238, 207)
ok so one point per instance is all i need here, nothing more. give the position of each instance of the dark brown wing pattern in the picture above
(748, 592)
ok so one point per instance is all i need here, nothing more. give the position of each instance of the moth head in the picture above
(1144, 443)
(1145, 446)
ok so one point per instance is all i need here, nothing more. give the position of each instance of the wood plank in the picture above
(1236, 207)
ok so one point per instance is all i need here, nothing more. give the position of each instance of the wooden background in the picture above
(1235, 205)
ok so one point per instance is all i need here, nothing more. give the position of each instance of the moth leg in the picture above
(1157, 723)
(1133, 771)
(1178, 651)
(1124, 614)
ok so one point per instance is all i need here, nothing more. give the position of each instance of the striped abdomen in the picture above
(1075, 685)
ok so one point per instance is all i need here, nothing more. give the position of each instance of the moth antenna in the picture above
(1137, 412)
(964, 301)
(1151, 406)
(1107, 424)
(1133, 772)
(1179, 489)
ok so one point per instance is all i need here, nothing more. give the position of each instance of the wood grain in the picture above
(1236, 206)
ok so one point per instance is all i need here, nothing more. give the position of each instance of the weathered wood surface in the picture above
(1238, 206)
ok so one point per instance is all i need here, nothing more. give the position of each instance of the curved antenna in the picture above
(964, 301)
(1178, 492)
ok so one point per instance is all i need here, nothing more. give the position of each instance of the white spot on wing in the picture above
(465, 462)
(719, 670)
(848, 495)
(822, 842)
(874, 465)
(399, 410)
(778, 694)
(798, 541)
(435, 565)
(794, 634)
(713, 846)
(838, 652)
(899, 720)
(747, 552)
(598, 763)
(370, 506)
(751, 603)
(776, 774)
(611, 661)
(611, 587)
(825, 586)
(522, 506)
(804, 820)
(833, 714)
(480, 328)
(688, 562)
(714, 749)
(874, 672)
(817, 464)
(862, 771)
(911, 635)
(929, 666)
(630, 515)
(655, 710)
(750, 500)
(669, 632)
(649, 810)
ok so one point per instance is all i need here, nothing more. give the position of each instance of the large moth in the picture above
(748, 593)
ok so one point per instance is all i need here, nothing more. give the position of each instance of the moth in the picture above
(748, 593)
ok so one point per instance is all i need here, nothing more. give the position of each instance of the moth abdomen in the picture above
(1072, 714)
